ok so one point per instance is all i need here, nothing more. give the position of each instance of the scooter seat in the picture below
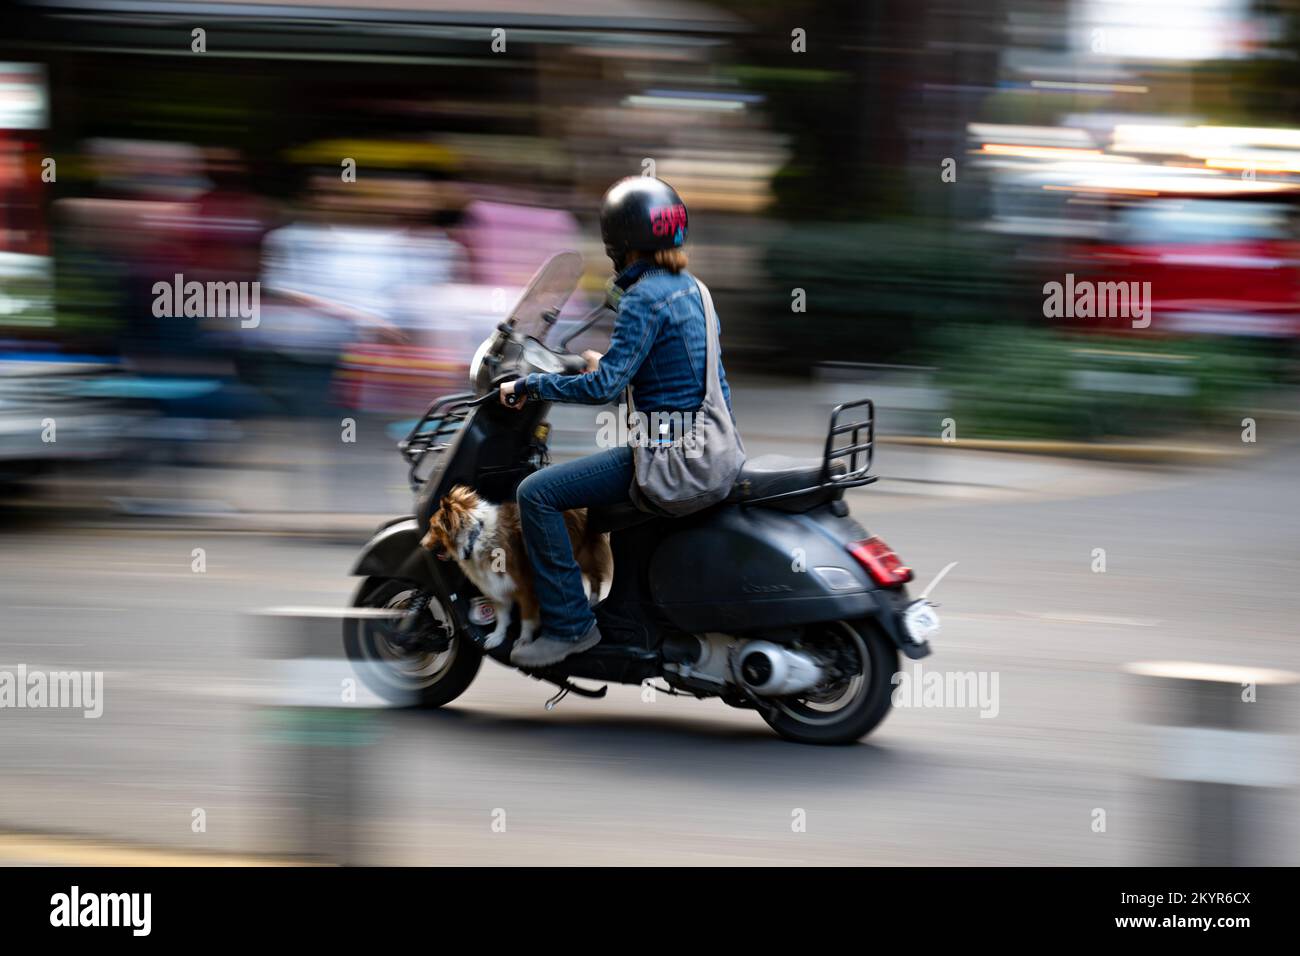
(615, 517)
(761, 477)
(770, 475)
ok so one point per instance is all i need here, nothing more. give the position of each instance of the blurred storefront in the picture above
(185, 135)
(490, 100)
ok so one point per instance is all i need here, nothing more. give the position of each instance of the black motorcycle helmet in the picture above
(641, 214)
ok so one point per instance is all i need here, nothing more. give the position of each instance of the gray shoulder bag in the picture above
(697, 465)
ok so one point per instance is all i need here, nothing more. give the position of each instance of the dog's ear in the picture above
(432, 539)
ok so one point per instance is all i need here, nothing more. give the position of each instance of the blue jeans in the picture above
(600, 479)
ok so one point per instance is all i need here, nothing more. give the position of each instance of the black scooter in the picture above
(775, 600)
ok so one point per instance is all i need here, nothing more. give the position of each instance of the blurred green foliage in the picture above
(1019, 381)
(876, 291)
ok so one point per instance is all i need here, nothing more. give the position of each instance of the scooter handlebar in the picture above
(570, 364)
(573, 364)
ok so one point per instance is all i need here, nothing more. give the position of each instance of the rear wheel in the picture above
(419, 675)
(850, 706)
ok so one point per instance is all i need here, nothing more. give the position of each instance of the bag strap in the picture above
(711, 337)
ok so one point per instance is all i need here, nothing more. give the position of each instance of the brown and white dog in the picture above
(488, 544)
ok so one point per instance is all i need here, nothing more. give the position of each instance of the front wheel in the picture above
(850, 707)
(420, 678)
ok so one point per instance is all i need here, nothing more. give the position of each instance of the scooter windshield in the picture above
(546, 294)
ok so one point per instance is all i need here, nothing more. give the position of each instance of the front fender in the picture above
(394, 552)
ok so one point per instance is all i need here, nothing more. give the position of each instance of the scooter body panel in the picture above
(738, 569)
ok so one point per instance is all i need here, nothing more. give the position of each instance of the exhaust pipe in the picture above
(770, 670)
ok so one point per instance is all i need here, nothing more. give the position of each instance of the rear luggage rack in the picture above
(858, 470)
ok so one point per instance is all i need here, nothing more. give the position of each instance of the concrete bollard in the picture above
(318, 718)
(1219, 779)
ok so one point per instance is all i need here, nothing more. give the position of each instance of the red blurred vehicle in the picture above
(1224, 265)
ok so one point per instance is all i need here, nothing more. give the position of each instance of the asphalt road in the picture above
(1200, 565)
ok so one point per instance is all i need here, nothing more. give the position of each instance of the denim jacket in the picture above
(658, 346)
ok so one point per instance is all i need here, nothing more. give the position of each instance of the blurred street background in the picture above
(894, 200)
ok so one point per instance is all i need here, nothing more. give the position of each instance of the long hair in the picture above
(674, 260)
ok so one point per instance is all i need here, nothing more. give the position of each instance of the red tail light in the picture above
(880, 561)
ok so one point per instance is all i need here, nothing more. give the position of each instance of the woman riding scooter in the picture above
(659, 347)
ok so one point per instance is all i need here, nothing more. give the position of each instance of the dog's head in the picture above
(451, 518)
